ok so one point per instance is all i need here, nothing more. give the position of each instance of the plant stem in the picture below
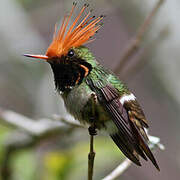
(91, 155)
(119, 170)
(137, 40)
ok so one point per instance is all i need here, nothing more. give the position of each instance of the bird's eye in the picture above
(71, 53)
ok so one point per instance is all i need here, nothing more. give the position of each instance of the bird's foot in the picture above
(92, 131)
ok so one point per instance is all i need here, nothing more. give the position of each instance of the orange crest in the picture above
(76, 35)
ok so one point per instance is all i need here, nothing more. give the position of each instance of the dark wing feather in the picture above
(130, 137)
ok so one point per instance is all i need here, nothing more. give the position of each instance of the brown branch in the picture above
(91, 157)
(136, 41)
(142, 59)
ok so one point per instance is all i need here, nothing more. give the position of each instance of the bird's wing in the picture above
(128, 118)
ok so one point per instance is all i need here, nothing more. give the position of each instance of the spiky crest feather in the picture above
(75, 36)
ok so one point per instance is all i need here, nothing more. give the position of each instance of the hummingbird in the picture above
(93, 94)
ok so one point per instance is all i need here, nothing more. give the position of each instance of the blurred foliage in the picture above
(63, 164)
(4, 132)
(72, 163)
(24, 165)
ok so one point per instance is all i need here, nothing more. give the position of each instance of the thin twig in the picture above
(119, 170)
(69, 120)
(35, 127)
(91, 157)
(136, 42)
(142, 60)
(92, 133)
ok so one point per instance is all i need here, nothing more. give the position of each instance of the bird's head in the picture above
(66, 53)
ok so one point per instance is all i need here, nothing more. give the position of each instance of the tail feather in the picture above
(127, 150)
(143, 145)
(132, 150)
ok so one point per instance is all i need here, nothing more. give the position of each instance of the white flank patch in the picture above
(129, 97)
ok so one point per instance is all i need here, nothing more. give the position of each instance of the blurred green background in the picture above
(27, 87)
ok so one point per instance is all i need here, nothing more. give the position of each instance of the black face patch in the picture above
(68, 72)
